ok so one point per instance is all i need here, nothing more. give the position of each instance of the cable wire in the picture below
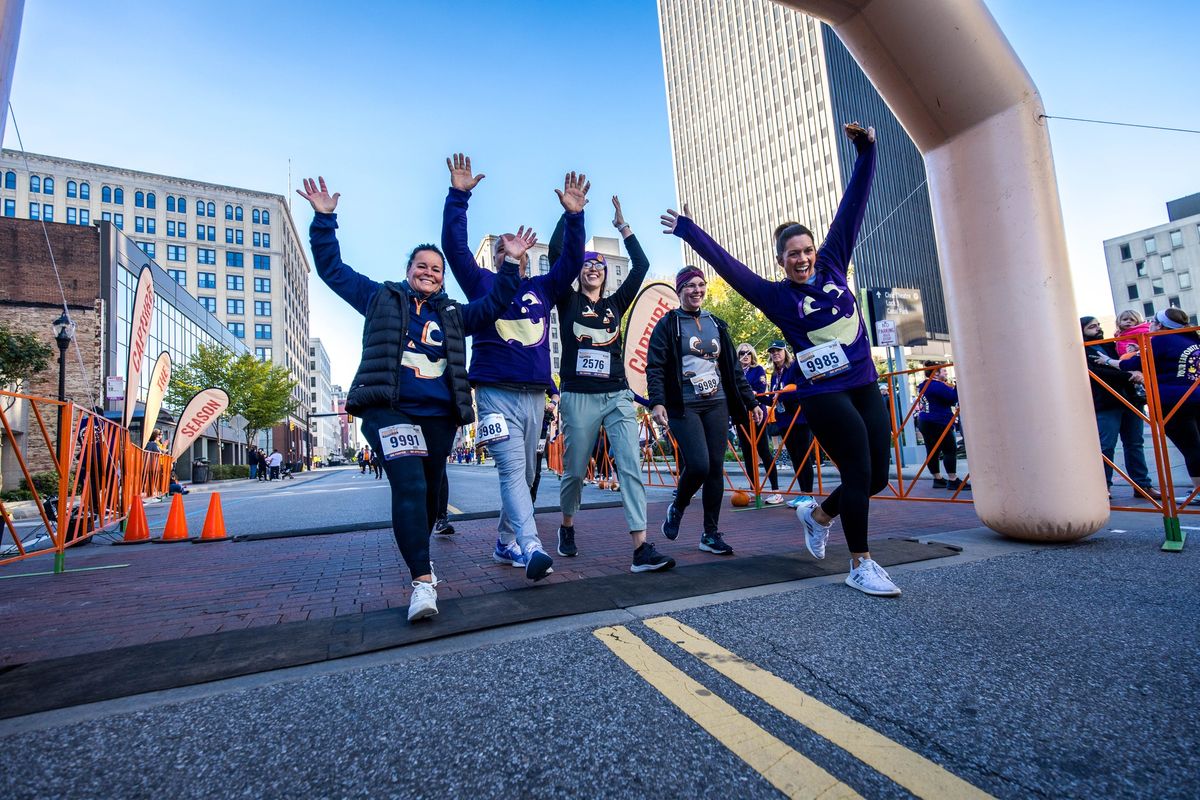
(1120, 124)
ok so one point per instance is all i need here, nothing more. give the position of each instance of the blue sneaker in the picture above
(508, 554)
(537, 563)
(804, 498)
(670, 526)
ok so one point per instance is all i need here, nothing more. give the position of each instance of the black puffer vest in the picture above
(385, 335)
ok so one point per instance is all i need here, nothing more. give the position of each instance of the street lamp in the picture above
(64, 333)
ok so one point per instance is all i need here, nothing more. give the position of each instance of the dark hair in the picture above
(1176, 315)
(932, 367)
(786, 231)
(433, 248)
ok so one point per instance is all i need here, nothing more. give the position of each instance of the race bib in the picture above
(823, 361)
(541, 446)
(706, 385)
(491, 429)
(402, 440)
(593, 363)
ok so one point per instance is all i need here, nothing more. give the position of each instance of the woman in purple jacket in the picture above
(938, 399)
(815, 310)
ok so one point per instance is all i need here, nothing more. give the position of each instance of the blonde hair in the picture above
(750, 347)
(787, 358)
(1137, 317)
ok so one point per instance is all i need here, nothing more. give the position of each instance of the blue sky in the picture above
(374, 96)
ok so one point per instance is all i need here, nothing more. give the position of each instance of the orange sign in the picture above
(141, 314)
(655, 301)
(201, 411)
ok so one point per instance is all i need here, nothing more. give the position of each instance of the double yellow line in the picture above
(786, 769)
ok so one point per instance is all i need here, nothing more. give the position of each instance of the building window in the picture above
(1141, 268)
(35, 184)
(106, 194)
(1151, 244)
(151, 225)
(71, 218)
(238, 329)
(253, 215)
(234, 259)
(262, 330)
(266, 240)
(1147, 310)
(1157, 285)
(266, 217)
(1173, 302)
(262, 308)
(235, 306)
(199, 208)
(235, 283)
(10, 207)
(47, 185)
(212, 209)
(10, 182)
(118, 196)
(200, 233)
(106, 216)
(181, 230)
(72, 189)
(85, 191)
(262, 285)
(1125, 253)
(209, 303)
(139, 199)
(237, 214)
(229, 236)
(139, 224)
(119, 221)
(1133, 292)
(263, 353)
(262, 262)
(170, 202)
(206, 256)
(48, 212)
(84, 216)
(35, 210)
(147, 248)
(212, 233)
(151, 200)
(1185, 280)
(179, 276)
(257, 239)
(228, 211)
(181, 205)
(206, 280)
(1168, 262)
(176, 252)
(238, 238)
(1176, 238)
(170, 224)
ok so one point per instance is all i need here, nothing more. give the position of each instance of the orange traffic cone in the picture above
(214, 522)
(136, 529)
(176, 530)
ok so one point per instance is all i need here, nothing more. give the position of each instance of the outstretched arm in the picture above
(565, 270)
(474, 280)
(355, 289)
(478, 314)
(627, 291)
(756, 289)
(843, 233)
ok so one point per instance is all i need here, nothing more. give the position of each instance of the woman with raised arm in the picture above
(411, 388)
(815, 310)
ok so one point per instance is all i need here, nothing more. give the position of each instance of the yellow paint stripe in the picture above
(787, 770)
(451, 509)
(914, 772)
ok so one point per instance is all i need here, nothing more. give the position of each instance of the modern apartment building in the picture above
(608, 246)
(1153, 269)
(757, 95)
(236, 251)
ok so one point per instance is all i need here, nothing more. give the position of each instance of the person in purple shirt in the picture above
(510, 361)
(936, 412)
(756, 376)
(815, 310)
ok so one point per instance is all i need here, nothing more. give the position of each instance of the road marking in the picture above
(451, 509)
(787, 770)
(914, 772)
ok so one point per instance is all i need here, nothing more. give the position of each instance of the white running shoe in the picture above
(775, 499)
(423, 602)
(870, 578)
(815, 534)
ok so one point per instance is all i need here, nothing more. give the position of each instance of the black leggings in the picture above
(1184, 432)
(766, 459)
(797, 442)
(701, 436)
(948, 450)
(853, 428)
(415, 481)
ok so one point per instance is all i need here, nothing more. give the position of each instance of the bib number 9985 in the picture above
(823, 361)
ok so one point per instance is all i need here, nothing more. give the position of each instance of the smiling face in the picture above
(799, 258)
(426, 273)
(692, 293)
(777, 357)
(591, 277)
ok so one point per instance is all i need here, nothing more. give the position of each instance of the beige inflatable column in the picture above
(954, 82)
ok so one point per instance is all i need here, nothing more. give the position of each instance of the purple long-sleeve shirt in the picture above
(824, 310)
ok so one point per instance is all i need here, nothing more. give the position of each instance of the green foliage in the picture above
(224, 472)
(21, 356)
(746, 323)
(46, 483)
(16, 495)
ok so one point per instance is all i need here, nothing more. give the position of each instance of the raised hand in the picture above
(319, 198)
(573, 195)
(618, 217)
(854, 130)
(671, 218)
(515, 246)
(460, 173)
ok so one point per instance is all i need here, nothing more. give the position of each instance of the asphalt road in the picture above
(1066, 671)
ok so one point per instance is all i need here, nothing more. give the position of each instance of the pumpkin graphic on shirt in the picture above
(420, 362)
(530, 326)
(599, 337)
(842, 324)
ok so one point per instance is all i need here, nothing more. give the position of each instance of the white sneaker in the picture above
(423, 602)
(815, 534)
(870, 578)
(775, 499)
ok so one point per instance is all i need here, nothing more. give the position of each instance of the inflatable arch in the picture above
(954, 82)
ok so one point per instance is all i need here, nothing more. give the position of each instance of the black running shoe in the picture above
(566, 541)
(670, 526)
(647, 559)
(715, 543)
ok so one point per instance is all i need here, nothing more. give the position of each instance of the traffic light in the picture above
(292, 425)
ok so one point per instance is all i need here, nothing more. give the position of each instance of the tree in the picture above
(269, 400)
(746, 323)
(21, 357)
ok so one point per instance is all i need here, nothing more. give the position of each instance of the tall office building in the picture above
(608, 246)
(236, 251)
(757, 95)
(326, 431)
(1151, 270)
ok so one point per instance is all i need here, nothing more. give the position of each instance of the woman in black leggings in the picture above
(694, 387)
(814, 307)
(790, 423)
